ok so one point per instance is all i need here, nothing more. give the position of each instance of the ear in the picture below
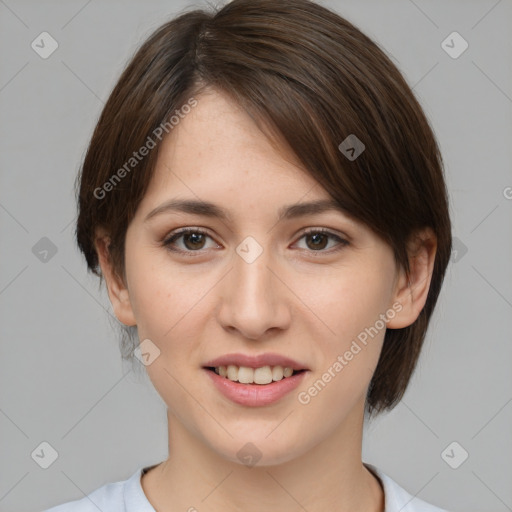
(411, 290)
(117, 290)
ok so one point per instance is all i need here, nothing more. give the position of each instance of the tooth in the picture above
(245, 375)
(263, 375)
(277, 373)
(232, 372)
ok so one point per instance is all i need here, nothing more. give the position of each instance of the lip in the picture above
(257, 361)
(255, 395)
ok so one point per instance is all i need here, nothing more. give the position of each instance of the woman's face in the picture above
(253, 284)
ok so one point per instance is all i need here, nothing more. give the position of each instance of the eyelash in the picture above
(167, 243)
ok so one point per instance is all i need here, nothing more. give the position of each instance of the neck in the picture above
(329, 476)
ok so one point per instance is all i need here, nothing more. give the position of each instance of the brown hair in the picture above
(310, 79)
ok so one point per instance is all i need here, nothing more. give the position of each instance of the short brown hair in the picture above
(310, 79)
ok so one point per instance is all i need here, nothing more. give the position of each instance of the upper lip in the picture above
(257, 361)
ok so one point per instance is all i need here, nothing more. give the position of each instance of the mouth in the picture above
(255, 381)
(259, 376)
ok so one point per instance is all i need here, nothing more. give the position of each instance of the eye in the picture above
(318, 238)
(193, 240)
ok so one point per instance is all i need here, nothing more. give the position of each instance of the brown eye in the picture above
(192, 240)
(318, 239)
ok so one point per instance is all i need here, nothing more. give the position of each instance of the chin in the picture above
(259, 449)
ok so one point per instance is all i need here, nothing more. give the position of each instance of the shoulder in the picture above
(123, 496)
(397, 499)
(109, 497)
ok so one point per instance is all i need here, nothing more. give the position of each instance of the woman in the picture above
(265, 200)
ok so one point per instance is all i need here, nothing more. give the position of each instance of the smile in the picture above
(246, 375)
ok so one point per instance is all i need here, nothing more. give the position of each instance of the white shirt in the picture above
(128, 496)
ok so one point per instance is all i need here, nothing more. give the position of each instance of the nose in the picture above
(254, 298)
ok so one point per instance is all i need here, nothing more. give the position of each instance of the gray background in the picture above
(61, 377)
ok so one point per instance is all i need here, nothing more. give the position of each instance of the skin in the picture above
(294, 299)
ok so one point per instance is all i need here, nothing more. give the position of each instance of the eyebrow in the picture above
(207, 209)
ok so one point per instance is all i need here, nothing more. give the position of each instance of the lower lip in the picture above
(255, 395)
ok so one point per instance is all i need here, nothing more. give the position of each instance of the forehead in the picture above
(217, 148)
(216, 162)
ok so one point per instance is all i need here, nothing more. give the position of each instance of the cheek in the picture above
(344, 312)
(172, 309)
(344, 303)
(162, 297)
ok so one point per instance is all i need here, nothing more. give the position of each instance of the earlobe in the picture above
(116, 288)
(411, 290)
